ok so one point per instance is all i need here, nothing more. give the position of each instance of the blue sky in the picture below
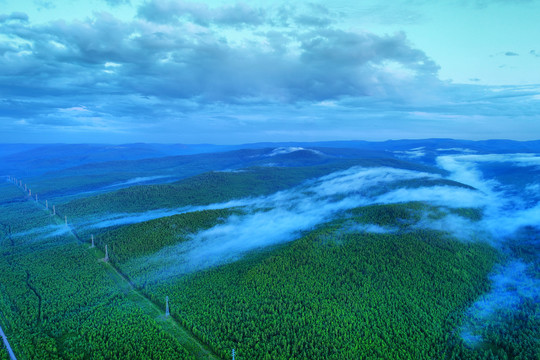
(225, 72)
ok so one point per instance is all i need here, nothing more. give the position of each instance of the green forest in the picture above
(221, 186)
(58, 301)
(335, 292)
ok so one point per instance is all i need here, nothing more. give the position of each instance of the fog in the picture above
(462, 150)
(43, 231)
(454, 225)
(511, 284)
(118, 219)
(505, 213)
(137, 180)
(287, 150)
(415, 153)
(283, 216)
(288, 213)
(369, 228)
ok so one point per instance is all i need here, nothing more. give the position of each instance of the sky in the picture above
(228, 72)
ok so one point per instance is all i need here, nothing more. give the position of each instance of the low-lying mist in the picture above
(283, 216)
(506, 211)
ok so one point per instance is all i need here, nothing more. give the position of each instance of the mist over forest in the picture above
(238, 239)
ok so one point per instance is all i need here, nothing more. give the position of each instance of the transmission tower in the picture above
(92, 246)
(106, 258)
(167, 312)
(65, 219)
(46, 205)
(233, 354)
(53, 210)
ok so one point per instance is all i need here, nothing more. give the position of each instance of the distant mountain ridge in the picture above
(34, 159)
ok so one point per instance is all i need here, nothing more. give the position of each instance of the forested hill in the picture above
(222, 186)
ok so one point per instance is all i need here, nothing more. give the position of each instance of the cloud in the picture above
(316, 21)
(43, 233)
(44, 4)
(291, 149)
(506, 212)
(188, 71)
(369, 228)
(411, 154)
(437, 195)
(202, 72)
(511, 53)
(511, 284)
(456, 161)
(118, 2)
(486, 3)
(461, 150)
(138, 180)
(165, 11)
(181, 61)
(454, 225)
(281, 217)
(15, 16)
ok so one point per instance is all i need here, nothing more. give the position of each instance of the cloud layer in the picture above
(181, 71)
(282, 217)
(176, 50)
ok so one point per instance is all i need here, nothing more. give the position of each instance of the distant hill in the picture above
(26, 160)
